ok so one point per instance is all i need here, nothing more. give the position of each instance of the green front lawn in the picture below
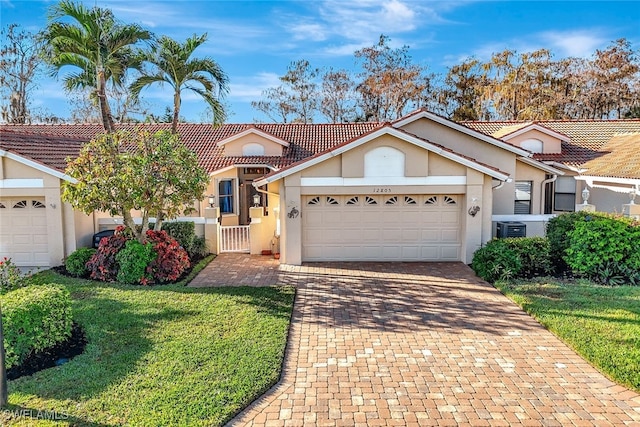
(601, 323)
(159, 356)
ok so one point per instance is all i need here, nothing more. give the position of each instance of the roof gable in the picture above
(509, 132)
(424, 114)
(387, 129)
(253, 130)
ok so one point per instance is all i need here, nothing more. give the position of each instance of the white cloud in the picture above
(308, 31)
(250, 88)
(579, 43)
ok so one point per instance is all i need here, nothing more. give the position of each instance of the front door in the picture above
(247, 190)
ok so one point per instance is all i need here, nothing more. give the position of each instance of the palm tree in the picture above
(172, 64)
(98, 46)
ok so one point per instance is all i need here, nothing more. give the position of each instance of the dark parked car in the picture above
(98, 236)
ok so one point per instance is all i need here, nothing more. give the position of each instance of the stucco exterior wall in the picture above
(234, 148)
(550, 144)
(474, 148)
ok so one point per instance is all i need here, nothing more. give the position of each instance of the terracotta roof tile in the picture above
(49, 150)
(587, 137)
(619, 158)
(305, 139)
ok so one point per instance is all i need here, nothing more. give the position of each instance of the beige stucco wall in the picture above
(549, 143)
(471, 147)
(234, 148)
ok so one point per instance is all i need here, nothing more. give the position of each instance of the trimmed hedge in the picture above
(76, 263)
(558, 229)
(35, 318)
(605, 247)
(517, 257)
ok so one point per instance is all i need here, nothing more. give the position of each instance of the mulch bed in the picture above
(52, 356)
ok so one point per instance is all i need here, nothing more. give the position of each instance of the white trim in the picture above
(539, 128)
(382, 181)
(138, 220)
(634, 184)
(38, 166)
(460, 128)
(540, 165)
(563, 166)
(22, 183)
(523, 217)
(253, 131)
(376, 134)
(237, 166)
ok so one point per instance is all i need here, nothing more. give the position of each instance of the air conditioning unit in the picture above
(511, 229)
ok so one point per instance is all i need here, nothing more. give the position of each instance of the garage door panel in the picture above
(450, 253)
(430, 252)
(313, 217)
(351, 216)
(450, 217)
(23, 231)
(409, 217)
(450, 236)
(397, 232)
(370, 217)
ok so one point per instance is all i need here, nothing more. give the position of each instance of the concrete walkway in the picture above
(375, 344)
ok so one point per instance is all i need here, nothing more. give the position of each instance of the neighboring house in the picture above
(603, 155)
(420, 188)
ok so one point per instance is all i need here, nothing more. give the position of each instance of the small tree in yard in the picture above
(153, 173)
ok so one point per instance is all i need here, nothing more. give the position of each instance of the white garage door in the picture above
(381, 228)
(23, 231)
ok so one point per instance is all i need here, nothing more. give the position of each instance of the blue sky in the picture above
(254, 41)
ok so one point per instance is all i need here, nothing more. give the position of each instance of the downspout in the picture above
(499, 186)
(545, 182)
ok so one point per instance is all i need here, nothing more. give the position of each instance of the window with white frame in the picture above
(564, 196)
(523, 197)
(226, 199)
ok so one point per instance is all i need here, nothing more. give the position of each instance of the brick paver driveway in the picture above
(426, 344)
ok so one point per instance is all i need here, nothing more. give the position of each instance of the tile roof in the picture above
(384, 125)
(305, 139)
(587, 137)
(620, 158)
(48, 150)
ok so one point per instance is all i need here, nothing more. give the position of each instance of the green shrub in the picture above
(133, 261)
(76, 263)
(183, 231)
(534, 253)
(10, 276)
(558, 229)
(199, 248)
(496, 261)
(603, 246)
(518, 257)
(35, 318)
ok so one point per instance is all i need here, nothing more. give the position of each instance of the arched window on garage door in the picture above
(384, 161)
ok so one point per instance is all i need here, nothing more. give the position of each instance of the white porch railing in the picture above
(234, 238)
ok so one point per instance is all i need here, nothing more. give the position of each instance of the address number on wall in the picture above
(382, 190)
